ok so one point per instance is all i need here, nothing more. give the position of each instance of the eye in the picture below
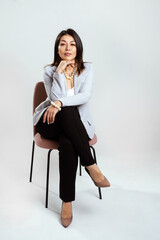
(64, 44)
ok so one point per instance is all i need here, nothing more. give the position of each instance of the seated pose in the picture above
(64, 116)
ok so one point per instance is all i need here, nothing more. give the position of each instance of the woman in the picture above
(65, 116)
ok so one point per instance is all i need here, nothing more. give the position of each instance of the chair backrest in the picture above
(39, 96)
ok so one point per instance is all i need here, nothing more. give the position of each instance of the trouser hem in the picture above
(67, 199)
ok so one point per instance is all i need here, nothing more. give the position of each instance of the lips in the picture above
(67, 54)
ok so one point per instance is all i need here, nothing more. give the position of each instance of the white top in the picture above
(70, 92)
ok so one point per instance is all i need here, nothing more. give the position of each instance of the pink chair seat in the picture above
(51, 144)
(45, 143)
(93, 140)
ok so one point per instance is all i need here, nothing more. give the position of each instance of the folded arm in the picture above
(56, 88)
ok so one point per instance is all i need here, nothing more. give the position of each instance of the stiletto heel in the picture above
(103, 183)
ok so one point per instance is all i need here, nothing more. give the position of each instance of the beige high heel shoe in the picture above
(103, 183)
(65, 221)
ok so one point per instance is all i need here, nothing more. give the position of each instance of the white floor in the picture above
(130, 208)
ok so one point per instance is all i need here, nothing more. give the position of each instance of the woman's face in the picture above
(67, 44)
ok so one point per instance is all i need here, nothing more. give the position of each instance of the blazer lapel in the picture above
(75, 83)
(78, 81)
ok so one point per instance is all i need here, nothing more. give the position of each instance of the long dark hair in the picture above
(79, 46)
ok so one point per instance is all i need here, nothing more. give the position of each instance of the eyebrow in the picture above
(65, 41)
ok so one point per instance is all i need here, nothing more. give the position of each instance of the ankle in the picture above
(66, 203)
(91, 166)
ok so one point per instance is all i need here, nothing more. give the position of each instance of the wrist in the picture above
(59, 103)
(54, 104)
(59, 71)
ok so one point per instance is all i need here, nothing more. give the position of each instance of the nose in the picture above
(67, 46)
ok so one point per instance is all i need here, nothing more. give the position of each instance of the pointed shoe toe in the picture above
(66, 221)
(103, 183)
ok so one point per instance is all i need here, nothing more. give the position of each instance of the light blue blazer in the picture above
(56, 88)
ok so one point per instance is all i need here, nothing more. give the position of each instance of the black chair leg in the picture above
(80, 168)
(31, 168)
(94, 154)
(47, 180)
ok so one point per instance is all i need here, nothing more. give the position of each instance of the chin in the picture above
(69, 58)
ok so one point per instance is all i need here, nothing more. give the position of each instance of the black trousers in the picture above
(73, 139)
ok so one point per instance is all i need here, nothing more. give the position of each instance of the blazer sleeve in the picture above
(54, 84)
(83, 95)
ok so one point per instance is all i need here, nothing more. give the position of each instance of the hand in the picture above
(63, 64)
(50, 114)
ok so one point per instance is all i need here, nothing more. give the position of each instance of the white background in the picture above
(121, 38)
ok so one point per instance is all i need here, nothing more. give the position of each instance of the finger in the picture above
(48, 118)
(64, 63)
(70, 62)
(53, 117)
(44, 117)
